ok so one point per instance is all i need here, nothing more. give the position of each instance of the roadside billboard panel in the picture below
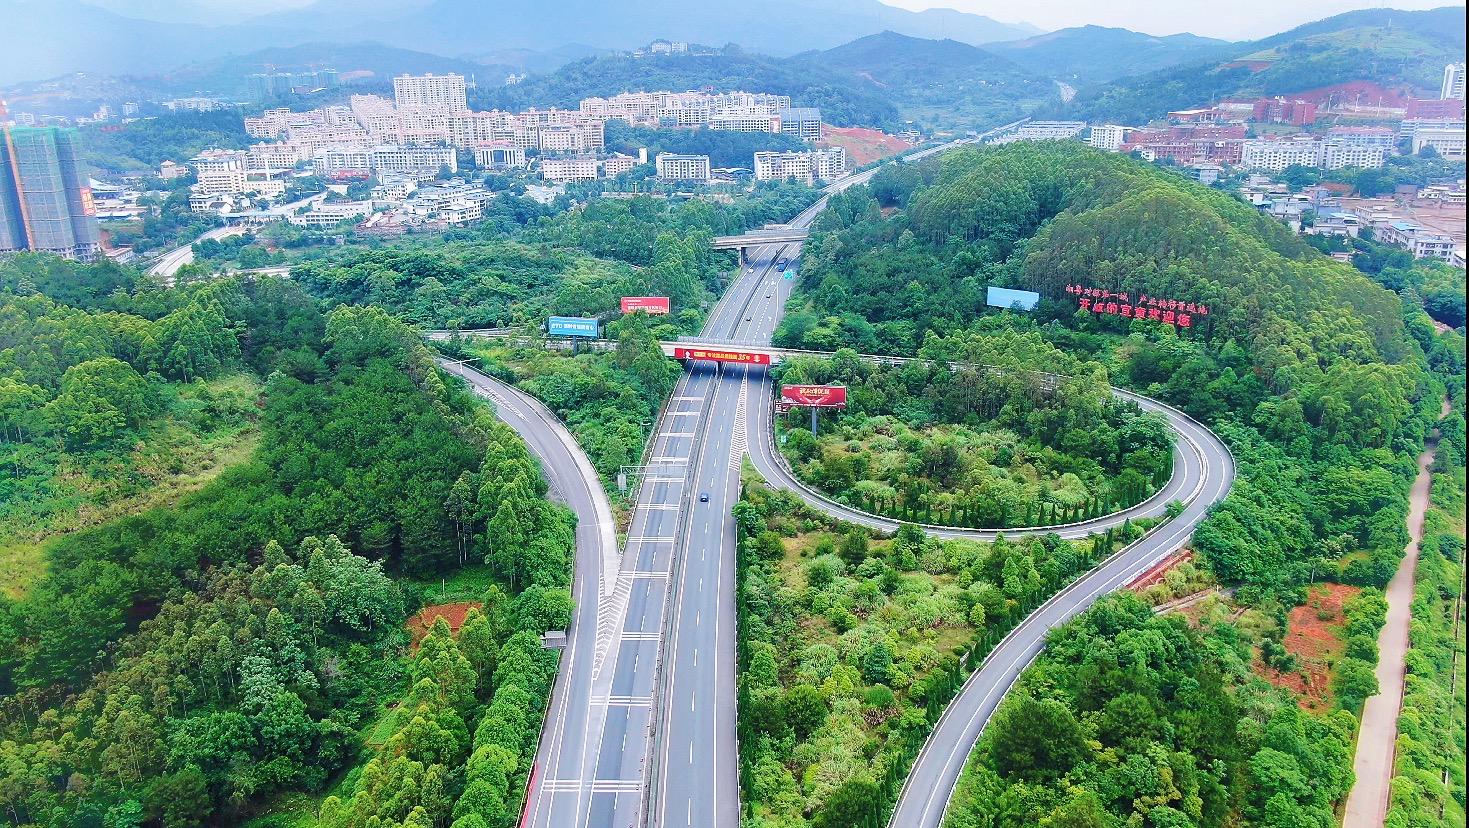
(818, 396)
(652, 305)
(999, 297)
(736, 357)
(572, 326)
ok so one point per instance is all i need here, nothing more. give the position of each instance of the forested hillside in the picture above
(940, 82)
(1401, 50)
(1322, 383)
(1094, 54)
(188, 663)
(577, 263)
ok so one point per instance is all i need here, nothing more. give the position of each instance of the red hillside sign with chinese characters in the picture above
(818, 396)
(737, 357)
(651, 305)
(1176, 312)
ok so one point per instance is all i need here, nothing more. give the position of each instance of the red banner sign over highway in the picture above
(737, 357)
(651, 305)
(817, 396)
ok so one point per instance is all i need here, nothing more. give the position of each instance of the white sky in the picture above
(1234, 20)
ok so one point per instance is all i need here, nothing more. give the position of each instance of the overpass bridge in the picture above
(782, 234)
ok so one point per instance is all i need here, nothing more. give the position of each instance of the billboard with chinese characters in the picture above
(1100, 301)
(572, 326)
(652, 305)
(818, 396)
(736, 357)
(998, 297)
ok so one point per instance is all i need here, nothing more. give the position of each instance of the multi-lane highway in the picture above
(641, 729)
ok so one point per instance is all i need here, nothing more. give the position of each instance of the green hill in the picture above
(1095, 54)
(940, 82)
(1397, 49)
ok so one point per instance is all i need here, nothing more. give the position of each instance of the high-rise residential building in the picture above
(1050, 130)
(1453, 82)
(678, 167)
(826, 164)
(1109, 137)
(430, 91)
(804, 122)
(45, 202)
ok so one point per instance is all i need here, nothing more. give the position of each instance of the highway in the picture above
(573, 481)
(925, 794)
(642, 726)
(169, 263)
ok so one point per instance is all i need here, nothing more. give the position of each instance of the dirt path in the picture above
(1376, 743)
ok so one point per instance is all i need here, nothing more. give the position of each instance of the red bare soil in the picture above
(864, 145)
(454, 613)
(1316, 642)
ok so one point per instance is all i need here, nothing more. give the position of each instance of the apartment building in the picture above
(45, 200)
(446, 92)
(1049, 130)
(424, 161)
(1363, 136)
(744, 119)
(501, 155)
(615, 165)
(678, 167)
(811, 166)
(220, 171)
(1416, 239)
(1108, 137)
(1337, 154)
(1453, 82)
(804, 122)
(1448, 143)
(562, 170)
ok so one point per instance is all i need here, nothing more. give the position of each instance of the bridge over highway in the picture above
(786, 234)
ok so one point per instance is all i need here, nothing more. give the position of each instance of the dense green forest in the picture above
(841, 102)
(147, 142)
(1322, 383)
(1009, 445)
(1133, 719)
(937, 83)
(577, 263)
(188, 662)
(1389, 46)
(849, 647)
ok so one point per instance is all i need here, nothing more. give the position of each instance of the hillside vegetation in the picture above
(936, 82)
(1398, 49)
(1323, 384)
(1094, 54)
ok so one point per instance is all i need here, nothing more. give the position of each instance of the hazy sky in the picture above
(1235, 20)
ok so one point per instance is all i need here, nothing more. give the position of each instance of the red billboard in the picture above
(1176, 312)
(737, 357)
(816, 396)
(651, 305)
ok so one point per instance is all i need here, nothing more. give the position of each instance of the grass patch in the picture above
(205, 429)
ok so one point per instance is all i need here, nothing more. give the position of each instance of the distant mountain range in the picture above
(1402, 52)
(1093, 54)
(45, 38)
(936, 82)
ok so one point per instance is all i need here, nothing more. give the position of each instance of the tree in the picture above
(1035, 740)
(100, 400)
(805, 709)
(850, 804)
